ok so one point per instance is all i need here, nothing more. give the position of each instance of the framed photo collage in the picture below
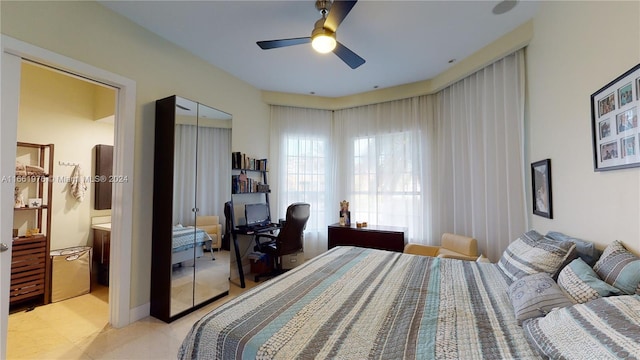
(615, 128)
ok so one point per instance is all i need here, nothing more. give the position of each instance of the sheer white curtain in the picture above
(478, 185)
(380, 164)
(213, 171)
(184, 174)
(448, 162)
(301, 167)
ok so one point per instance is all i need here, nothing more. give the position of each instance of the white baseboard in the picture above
(140, 312)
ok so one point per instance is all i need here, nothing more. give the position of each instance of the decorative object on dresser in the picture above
(345, 214)
(192, 161)
(614, 123)
(390, 238)
(30, 260)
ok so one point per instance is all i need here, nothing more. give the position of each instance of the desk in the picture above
(390, 238)
(244, 231)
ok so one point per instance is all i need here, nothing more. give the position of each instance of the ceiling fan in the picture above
(323, 36)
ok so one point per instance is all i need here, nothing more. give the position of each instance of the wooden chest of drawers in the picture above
(374, 236)
(28, 268)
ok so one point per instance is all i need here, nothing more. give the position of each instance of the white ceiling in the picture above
(401, 41)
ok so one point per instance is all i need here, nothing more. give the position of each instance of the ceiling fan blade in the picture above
(349, 57)
(272, 44)
(338, 11)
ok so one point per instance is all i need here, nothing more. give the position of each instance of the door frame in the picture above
(13, 51)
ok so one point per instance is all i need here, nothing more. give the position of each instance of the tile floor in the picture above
(78, 328)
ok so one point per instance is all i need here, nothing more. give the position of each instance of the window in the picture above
(306, 175)
(386, 189)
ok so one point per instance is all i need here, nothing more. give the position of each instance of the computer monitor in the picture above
(257, 214)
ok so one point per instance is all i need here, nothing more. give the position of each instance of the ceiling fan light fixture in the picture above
(323, 43)
(323, 40)
(323, 36)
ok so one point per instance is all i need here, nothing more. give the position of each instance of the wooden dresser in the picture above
(390, 238)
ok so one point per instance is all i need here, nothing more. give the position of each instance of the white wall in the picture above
(58, 109)
(88, 32)
(577, 48)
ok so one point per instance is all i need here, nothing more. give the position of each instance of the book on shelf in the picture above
(240, 160)
(244, 184)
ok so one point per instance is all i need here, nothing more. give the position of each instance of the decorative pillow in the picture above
(536, 295)
(619, 267)
(581, 283)
(533, 253)
(606, 328)
(586, 250)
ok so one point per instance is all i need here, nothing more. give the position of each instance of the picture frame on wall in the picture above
(614, 123)
(541, 188)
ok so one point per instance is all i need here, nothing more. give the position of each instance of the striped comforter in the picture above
(604, 328)
(183, 238)
(356, 303)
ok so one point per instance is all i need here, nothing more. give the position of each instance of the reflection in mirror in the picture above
(212, 191)
(202, 184)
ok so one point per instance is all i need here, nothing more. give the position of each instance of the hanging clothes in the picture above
(78, 184)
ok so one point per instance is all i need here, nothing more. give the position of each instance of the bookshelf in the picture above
(249, 175)
(248, 185)
(30, 260)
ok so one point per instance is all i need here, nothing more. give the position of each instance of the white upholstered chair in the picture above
(211, 225)
(452, 246)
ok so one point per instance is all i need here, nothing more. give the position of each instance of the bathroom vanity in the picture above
(101, 248)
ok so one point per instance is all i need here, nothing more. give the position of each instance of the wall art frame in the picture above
(614, 123)
(541, 188)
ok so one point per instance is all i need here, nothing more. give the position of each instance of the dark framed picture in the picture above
(541, 188)
(616, 104)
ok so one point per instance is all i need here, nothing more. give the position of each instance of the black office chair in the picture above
(289, 238)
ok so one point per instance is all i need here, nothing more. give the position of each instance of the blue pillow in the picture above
(619, 267)
(581, 283)
(586, 250)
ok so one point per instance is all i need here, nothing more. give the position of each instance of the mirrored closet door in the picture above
(192, 169)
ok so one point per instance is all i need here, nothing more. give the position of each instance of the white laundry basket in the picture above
(70, 273)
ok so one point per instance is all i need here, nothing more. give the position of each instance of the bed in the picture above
(182, 247)
(358, 303)
(363, 303)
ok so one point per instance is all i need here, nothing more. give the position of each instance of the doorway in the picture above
(13, 52)
(76, 116)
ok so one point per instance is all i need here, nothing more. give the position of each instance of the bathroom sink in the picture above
(105, 227)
